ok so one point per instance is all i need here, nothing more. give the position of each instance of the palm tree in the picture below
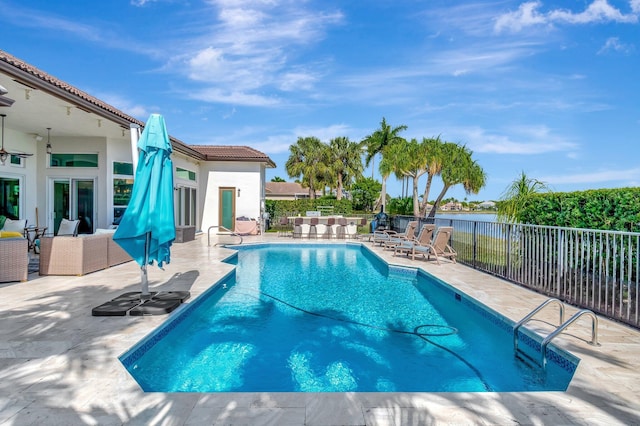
(345, 162)
(516, 196)
(410, 161)
(306, 162)
(434, 159)
(390, 162)
(459, 168)
(376, 143)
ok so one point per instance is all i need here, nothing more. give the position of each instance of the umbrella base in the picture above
(114, 308)
(160, 303)
(169, 295)
(155, 307)
(135, 295)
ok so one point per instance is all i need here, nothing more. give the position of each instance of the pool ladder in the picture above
(563, 325)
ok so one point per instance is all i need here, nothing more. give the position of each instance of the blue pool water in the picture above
(335, 318)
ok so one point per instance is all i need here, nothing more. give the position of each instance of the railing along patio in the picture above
(591, 269)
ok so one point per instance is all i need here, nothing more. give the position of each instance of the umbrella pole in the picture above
(143, 269)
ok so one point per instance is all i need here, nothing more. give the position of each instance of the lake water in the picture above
(481, 217)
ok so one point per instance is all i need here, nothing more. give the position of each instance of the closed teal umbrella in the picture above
(147, 228)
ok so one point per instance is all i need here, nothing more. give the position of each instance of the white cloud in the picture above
(614, 44)
(597, 11)
(141, 112)
(525, 16)
(528, 15)
(277, 144)
(519, 141)
(141, 3)
(232, 97)
(251, 49)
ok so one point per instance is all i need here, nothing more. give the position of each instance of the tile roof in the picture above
(284, 188)
(54, 86)
(66, 87)
(232, 153)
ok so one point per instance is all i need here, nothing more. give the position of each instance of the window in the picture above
(122, 188)
(122, 191)
(73, 160)
(10, 197)
(185, 174)
(120, 168)
(16, 161)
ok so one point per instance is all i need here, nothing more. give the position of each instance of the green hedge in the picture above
(277, 208)
(604, 209)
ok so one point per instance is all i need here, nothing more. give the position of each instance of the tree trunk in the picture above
(416, 202)
(339, 190)
(432, 213)
(383, 194)
(425, 196)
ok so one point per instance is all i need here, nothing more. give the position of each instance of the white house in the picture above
(79, 162)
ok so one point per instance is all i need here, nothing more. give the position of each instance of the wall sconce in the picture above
(238, 192)
(48, 140)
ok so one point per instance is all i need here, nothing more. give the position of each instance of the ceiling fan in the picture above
(4, 154)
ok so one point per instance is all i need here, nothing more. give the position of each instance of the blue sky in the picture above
(550, 88)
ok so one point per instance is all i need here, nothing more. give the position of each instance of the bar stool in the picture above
(313, 224)
(351, 230)
(297, 227)
(284, 227)
(331, 224)
(342, 228)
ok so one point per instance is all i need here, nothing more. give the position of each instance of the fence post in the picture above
(475, 242)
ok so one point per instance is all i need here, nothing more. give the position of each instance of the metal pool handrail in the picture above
(531, 314)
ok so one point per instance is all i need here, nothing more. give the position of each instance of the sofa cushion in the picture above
(11, 234)
(15, 225)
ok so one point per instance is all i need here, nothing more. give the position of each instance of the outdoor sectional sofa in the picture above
(14, 259)
(67, 255)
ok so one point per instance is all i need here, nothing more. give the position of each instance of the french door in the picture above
(72, 199)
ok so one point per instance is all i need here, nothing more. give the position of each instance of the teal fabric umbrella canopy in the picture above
(147, 228)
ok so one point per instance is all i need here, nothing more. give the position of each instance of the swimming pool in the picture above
(335, 318)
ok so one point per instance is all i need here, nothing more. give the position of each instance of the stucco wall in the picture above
(245, 176)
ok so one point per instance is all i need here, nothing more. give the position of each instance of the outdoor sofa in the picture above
(14, 259)
(86, 253)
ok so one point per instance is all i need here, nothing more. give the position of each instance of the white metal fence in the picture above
(591, 269)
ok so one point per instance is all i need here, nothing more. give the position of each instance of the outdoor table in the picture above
(33, 233)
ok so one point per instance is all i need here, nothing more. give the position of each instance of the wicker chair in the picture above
(14, 259)
(73, 255)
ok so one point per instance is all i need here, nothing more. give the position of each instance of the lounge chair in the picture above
(408, 235)
(438, 248)
(380, 237)
(424, 238)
